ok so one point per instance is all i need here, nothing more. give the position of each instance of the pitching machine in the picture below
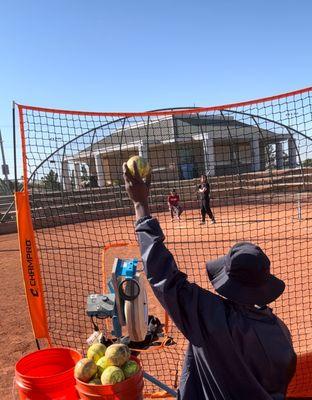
(125, 303)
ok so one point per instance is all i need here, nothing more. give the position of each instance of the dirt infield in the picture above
(73, 253)
(16, 337)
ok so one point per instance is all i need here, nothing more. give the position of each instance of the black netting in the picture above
(258, 159)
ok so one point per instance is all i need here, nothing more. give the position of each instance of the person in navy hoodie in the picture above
(238, 348)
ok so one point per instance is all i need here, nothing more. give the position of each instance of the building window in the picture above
(186, 163)
(222, 154)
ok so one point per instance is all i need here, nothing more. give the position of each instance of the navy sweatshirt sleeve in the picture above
(177, 295)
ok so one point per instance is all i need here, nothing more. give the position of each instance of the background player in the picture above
(173, 204)
(204, 192)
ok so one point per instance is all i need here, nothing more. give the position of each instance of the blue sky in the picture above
(126, 55)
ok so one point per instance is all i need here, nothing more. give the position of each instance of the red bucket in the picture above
(47, 375)
(130, 389)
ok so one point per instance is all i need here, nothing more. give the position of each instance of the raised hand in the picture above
(137, 189)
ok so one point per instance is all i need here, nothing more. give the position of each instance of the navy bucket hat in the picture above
(243, 276)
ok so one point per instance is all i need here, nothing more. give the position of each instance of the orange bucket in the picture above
(47, 375)
(130, 389)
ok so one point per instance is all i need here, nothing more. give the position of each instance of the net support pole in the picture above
(161, 385)
(14, 147)
(299, 210)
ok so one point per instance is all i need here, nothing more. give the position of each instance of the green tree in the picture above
(269, 156)
(6, 187)
(307, 162)
(51, 181)
(84, 174)
(72, 179)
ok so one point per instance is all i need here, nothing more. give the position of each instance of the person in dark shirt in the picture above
(173, 204)
(238, 348)
(204, 193)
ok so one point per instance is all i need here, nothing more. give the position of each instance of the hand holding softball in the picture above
(143, 167)
(136, 187)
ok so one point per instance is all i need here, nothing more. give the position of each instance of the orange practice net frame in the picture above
(258, 158)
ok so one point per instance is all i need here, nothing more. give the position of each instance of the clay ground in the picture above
(275, 228)
(16, 336)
